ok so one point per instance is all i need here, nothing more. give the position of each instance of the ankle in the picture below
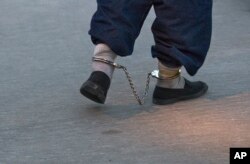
(171, 77)
(104, 52)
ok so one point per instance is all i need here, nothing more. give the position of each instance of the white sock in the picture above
(104, 52)
(176, 83)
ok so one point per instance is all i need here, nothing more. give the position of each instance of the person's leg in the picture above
(182, 33)
(114, 29)
(118, 23)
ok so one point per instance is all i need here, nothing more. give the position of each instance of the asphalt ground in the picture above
(45, 57)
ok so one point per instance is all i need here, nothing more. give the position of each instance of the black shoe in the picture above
(96, 87)
(164, 96)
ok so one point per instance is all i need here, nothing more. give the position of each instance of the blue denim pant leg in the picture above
(182, 29)
(117, 23)
(182, 32)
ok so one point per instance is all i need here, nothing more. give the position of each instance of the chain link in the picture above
(140, 100)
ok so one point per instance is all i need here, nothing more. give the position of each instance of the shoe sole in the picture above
(93, 92)
(183, 98)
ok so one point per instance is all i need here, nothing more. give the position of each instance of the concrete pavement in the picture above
(45, 52)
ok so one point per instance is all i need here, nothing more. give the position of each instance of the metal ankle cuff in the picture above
(165, 75)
